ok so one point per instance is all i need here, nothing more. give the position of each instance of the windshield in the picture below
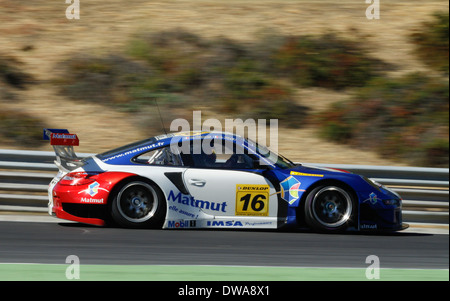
(271, 156)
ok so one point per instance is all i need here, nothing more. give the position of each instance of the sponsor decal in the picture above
(224, 224)
(256, 224)
(369, 226)
(92, 201)
(134, 151)
(191, 201)
(181, 211)
(373, 199)
(181, 224)
(296, 173)
(252, 200)
(93, 189)
(64, 136)
(64, 139)
(289, 189)
(253, 187)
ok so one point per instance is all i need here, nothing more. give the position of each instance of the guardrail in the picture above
(25, 175)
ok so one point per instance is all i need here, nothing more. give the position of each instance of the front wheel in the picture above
(329, 209)
(138, 205)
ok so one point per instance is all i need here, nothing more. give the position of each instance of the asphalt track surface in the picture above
(51, 243)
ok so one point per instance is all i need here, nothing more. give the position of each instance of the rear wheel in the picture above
(329, 208)
(138, 204)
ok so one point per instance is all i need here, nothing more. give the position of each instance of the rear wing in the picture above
(63, 143)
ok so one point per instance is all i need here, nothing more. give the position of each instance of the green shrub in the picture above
(244, 82)
(399, 118)
(325, 61)
(20, 129)
(336, 132)
(173, 56)
(435, 153)
(11, 73)
(100, 79)
(252, 79)
(432, 42)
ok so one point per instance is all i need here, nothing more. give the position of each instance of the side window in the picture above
(236, 158)
(160, 156)
(221, 157)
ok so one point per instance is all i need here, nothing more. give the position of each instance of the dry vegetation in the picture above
(37, 34)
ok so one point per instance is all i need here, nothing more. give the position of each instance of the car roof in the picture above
(161, 140)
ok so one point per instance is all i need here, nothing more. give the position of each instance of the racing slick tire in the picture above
(138, 204)
(329, 208)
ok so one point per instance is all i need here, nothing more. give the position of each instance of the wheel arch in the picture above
(126, 180)
(129, 179)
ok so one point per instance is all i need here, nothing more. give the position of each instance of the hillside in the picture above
(38, 35)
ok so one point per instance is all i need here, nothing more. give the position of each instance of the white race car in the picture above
(168, 182)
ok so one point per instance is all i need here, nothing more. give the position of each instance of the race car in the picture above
(211, 180)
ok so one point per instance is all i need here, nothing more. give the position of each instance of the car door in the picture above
(223, 191)
(231, 192)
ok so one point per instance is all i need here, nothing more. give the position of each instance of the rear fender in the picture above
(93, 193)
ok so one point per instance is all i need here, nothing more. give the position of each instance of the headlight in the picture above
(394, 202)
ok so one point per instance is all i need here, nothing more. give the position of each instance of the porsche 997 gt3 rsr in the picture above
(168, 182)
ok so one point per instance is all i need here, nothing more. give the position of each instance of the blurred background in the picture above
(344, 88)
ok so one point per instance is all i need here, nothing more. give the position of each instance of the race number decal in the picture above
(252, 200)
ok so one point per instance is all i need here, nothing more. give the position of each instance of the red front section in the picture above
(82, 197)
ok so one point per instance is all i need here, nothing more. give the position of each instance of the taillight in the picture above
(78, 178)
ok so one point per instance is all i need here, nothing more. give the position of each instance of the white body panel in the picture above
(217, 198)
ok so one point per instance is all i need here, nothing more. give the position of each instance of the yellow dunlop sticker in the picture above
(252, 200)
(296, 173)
